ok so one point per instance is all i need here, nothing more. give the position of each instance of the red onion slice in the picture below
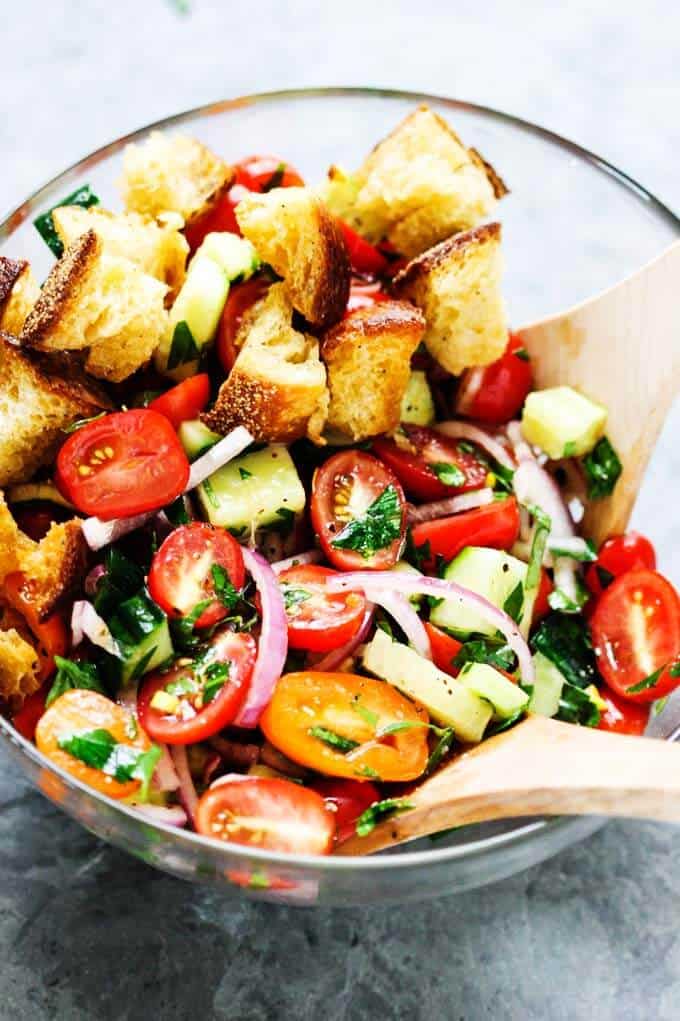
(98, 533)
(453, 505)
(521, 448)
(312, 556)
(408, 620)
(468, 388)
(165, 775)
(86, 623)
(467, 431)
(186, 791)
(92, 580)
(273, 643)
(332, 660)
(172, 815)
(374, 583)
(533, 485)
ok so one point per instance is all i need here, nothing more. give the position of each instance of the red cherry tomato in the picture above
(122, 464)
(185, 400)
(636, 632)
(496, 392)
(346, 800)
(185, 569)
(52, 635)
(241, 298)
(219, 218)
(620, 553)
(444, 649)
(319, 620)
(541, 605)
(395, 261)
(343, 489)
(272, 814)
(364, 295)
(208, 697)
(26, 720)
(262, 173)
(421, 468)
(496, 525)
(621, 715)
(364, 257)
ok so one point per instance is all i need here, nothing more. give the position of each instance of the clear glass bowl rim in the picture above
(10, 221)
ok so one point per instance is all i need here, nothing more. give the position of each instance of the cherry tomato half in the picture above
(496, 392)
(343, 490)
(636, 632)
(621, 715)
(426, 460)
(346, 799)
(185, 400)
(444, 649)
(80, 711)
(319, 620)
(122, 464)
(219, 218)
(206, 697)
(26, 720)
(52, 634)
(241, 298)
(187, 570)
(311, 711)
(620, 553)
(272, 814)
(495, 525)
(363, 256)
(541, 605)
(262, 173)
(364, 295)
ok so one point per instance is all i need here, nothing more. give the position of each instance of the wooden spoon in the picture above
(621, 348)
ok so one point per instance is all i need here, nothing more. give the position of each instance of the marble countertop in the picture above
(88, 933)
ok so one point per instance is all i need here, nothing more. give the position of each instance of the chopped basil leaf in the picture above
(559, 600)
(368, 772)
(397, 728)
(659, 705)
(486, 650)
(216, 676)
(442, 748)
(333, 740)
(245, 474)
(522, 353)
(513, 604)
(367, 715)
(385, 626)
(584, 554)
(376, 529)
(122, 579)
(183, 628)
(647, 683)
(93, 747)
(565, 641)
(674, 670)
(542, 526)
(224, 590)
(448, 474)
(183, 348)
(366, 822)
(239, 531)
(287, 523)
(416, 555)
(176, 512)
(498, 726)
(292, 596)
(503, 479)
(604, 576)
(258, 880)
(276, 178)
(569, 449)
(576, 706)
(74, 426)
(602, 468)
(184, 685)
(72, 675)
(44, 224)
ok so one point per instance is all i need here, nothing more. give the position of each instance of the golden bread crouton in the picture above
(457, 284)
(421, 184)
(160, 251)
(368, 358)
(172, 173)
(277, 387)
(19, 673)
(14, 544)
(102, 303)
(19, 292)
(293, 231)
(35, 408)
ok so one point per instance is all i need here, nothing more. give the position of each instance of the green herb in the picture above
(143, 663)
(93, 747)
(122, 579)
(385, 626)
(368, 772)
(604, 576)
(210, 494)
(559, 600)
(542, 526)
(183, 348)
(397, 728)
(486, 650)
(176, 512)
(647, 683)
(522, 353)
(674, 670)
(585, 554)
(99, 749)
(448, 474)
(74, 426)
(659, 705)
(216, 676)
(504, 479)
(602, 468)
(564, 640)
(258, 880)
(185, 685)
(224, 589)
(183, 628)
(513, 604)
(333, 740)
(287, 523)
(245, 474)
(239, 531)
(367, 715)
(276, 178)
(416, 555)
(72, 675)
(376, 529)
(569, 449)
(442, 748)
(499, 726)
(366, 822)
(44, 224)
(294, 596)
(576, 706)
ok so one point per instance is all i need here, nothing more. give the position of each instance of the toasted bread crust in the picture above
(500, 188)
(374, 321)
(57, 293)
(424, 264)
(55, 567)
(19, 667)
(10, 271)
(271, 412)
(329, 300)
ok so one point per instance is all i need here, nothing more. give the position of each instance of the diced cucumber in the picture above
(196, 438)
(548, 684)
(505, 697)
(488, 572)
(262, 488)
(403, 567)
(141, 631)
(417, 406)
(27, 491)
(233, 254)
(562, 422)
(448, 702)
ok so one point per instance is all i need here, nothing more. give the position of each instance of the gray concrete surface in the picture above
(87, 933)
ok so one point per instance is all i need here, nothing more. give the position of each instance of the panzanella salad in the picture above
(285, 524)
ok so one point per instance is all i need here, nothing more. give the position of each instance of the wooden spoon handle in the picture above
(540, 767)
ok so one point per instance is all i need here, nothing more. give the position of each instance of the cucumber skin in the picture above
(482, 571)
(138, 626)
(238, 501)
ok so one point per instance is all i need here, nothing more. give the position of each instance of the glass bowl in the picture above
(573, 225)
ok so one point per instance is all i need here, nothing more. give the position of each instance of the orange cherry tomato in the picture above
(77, 712)
(309, 706)
(52, 634)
